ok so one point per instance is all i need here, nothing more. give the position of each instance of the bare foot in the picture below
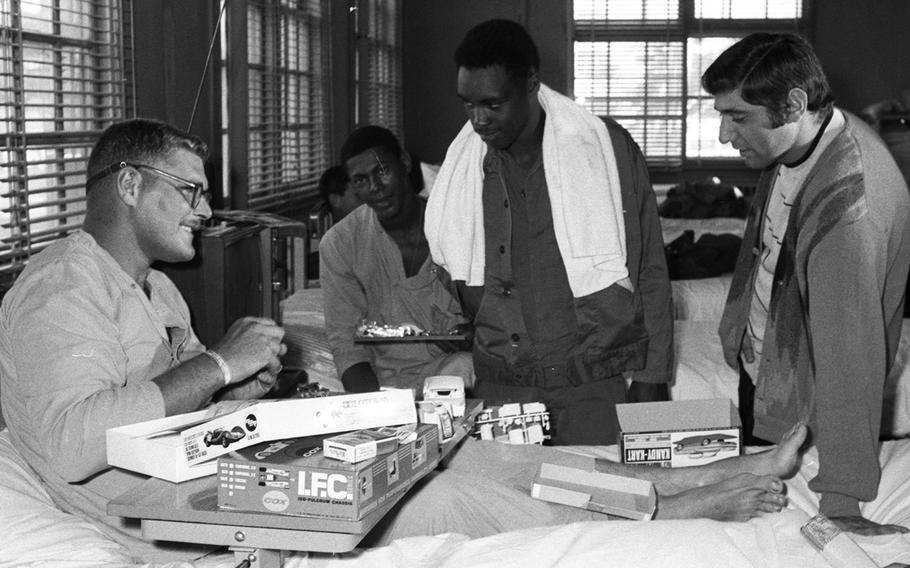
(783, 459)
(738, 498)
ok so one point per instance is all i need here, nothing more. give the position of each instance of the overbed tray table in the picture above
(188, 512)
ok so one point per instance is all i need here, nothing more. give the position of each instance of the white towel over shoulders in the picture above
(583, 185)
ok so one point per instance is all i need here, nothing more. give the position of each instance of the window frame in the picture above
(378, 65)
(112, 98)
(238, 173)
(687, 26)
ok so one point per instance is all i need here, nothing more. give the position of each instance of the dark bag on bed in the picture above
(711, 255)
(703, 200)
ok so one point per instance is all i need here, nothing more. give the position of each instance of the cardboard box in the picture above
(586, 488)
(447, 390)
(679, 433)
(362, 445)
(294, 477)
(178, 448)
(437, 414)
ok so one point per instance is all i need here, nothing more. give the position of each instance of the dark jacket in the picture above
(620, 332)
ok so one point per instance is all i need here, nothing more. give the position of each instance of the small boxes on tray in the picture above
(354, 447)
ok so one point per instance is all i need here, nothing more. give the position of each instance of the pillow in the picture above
(35, 531)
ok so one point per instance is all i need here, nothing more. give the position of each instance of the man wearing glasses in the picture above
(375, 266)
(91, 337)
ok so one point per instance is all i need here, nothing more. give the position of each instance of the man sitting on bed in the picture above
(375, 267)
(92, 338)
(813, 316)
(544, 216)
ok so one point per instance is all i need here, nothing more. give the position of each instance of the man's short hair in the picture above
(140, 140)
(499, 42)
(333, 181)
(765, 67)
(368, 137)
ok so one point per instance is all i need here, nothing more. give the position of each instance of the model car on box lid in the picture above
(223, 436)
(706, 445)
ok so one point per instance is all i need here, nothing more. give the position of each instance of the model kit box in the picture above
(294, 477)
(679, 433)
(362, 445)
(586, 488)
(439, 415)
(182, 447)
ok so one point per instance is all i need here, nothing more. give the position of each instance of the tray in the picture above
(408, 338)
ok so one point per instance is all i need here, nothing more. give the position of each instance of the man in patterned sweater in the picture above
(813, 317)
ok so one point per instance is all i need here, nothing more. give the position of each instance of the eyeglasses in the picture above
(193, 192)
(361, 182)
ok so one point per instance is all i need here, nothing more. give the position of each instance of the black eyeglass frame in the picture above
(197, 188)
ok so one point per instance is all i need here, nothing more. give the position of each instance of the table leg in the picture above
(256, 557)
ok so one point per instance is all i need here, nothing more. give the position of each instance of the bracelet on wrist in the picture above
(222, 364)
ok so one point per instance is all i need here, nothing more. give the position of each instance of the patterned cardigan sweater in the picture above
(834, 318)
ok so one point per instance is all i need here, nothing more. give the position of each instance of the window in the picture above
(65, 75)
(276, 119)
(378, 64)
(640, 62)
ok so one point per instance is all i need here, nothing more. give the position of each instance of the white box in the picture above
(587, 488)
(178, 448)
(679, 433)
(360, 445)
(447, 390)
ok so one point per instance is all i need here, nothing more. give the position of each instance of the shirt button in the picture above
(505, 203)
(755, 251)
(515, 337)
(507, 292)
(502, 249)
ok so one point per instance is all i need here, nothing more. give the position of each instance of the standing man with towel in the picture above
(544, 216)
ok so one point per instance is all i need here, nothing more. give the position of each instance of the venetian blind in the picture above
(288, 53)
(379, 68)
(640, 62)
(65, 75)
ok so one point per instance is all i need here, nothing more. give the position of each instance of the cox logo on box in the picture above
(275, 501)
(324, 485)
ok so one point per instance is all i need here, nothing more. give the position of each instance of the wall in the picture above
(171, 42)
(865, 49)
(864, 46)
(432, 30)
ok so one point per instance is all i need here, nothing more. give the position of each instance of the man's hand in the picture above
(862, 526)
(465, 329)
(647, 392)
(252, 345)
(251, 389)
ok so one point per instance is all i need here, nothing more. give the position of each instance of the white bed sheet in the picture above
(35, 533)
(673, 228)
(700, 370)
(700, 299)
